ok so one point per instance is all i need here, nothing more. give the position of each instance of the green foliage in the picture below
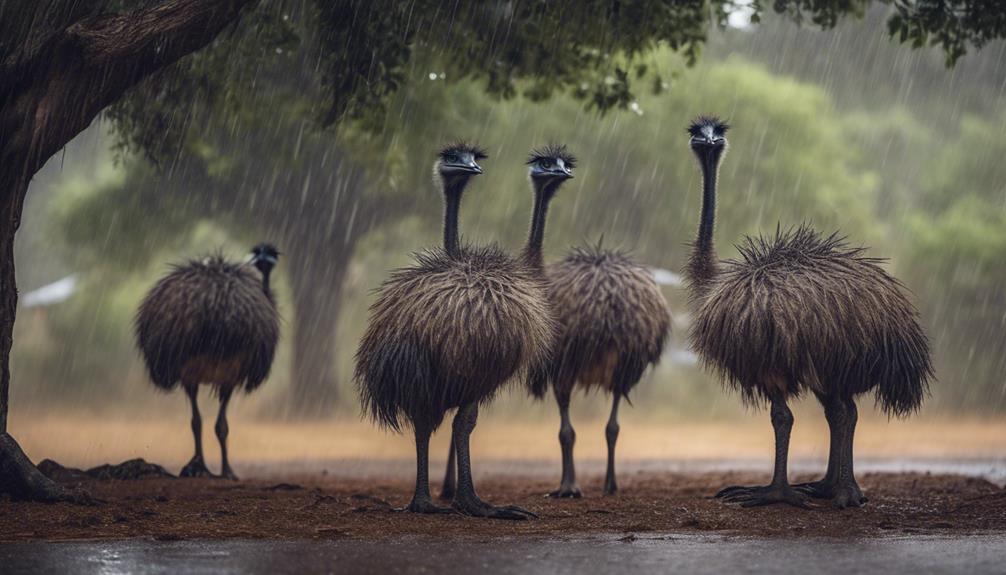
(958, 259)
(954, 25)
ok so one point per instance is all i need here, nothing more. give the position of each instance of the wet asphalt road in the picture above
(648, 553)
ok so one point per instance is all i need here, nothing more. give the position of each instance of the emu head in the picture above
(264, 257)
(550, 166)
(457, 162)
(707, 137)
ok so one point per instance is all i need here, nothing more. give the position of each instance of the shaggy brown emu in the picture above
(212, 322)
(801, 312)
(613, 324)
(451, 330)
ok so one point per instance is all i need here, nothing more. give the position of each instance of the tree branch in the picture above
(100, 57)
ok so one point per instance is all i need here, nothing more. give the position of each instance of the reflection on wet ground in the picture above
(597, 554)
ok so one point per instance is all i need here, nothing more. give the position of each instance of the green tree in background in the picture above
(959, 260)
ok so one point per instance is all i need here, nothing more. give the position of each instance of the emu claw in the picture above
(768, 495)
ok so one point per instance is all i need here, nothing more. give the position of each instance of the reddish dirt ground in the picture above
(334, 507)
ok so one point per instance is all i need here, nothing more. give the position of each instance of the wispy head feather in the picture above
(461, 147)
(719, 126)
(552, 152)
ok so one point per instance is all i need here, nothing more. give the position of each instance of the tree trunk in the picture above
(49, 92)
(19, 477)
(317, 277)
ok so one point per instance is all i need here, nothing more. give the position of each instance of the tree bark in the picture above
(49, 94)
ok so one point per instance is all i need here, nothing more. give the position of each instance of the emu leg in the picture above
(450, 485)
(846, 492)
(196, 467)
(222, 430)
(567, 437)
(822, 488)
(779, 491)
(466, 500)
(421, 502)
(842, 424)
(611, 434)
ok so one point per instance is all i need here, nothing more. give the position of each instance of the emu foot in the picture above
(425, 506)
(20, 479)
(823, 489)
(566, 491)
(472, 505)
(228, 473)
(767, 495)
(842, 495)
(848, 495)
(195, 468)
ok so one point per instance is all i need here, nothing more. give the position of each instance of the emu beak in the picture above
(474, 168)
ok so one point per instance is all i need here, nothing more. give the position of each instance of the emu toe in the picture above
(477, 508)
(822, 489)
(841, 495)
(195, 468)
(426, 506)
(848, 495)
(767, 495)
(228, 473)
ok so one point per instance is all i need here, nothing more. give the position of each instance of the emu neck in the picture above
(453, 190)
(543, 194)
(265, 282)
(702, 264)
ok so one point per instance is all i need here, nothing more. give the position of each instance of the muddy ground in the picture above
(326, 507)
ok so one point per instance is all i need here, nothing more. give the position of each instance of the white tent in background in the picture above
(56, 292)
(665, 277)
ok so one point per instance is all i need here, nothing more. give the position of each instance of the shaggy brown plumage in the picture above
(209, 312)
(450, 331)
(613, 320)
(211, 322)
(613, 325)
(800, 311)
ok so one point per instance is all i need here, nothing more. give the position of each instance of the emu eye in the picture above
(451, 158)
(545, 164)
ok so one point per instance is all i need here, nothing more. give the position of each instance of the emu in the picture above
(543, 164)
(452, 330)
(211, 322)
(613, 325)
(801, 312)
